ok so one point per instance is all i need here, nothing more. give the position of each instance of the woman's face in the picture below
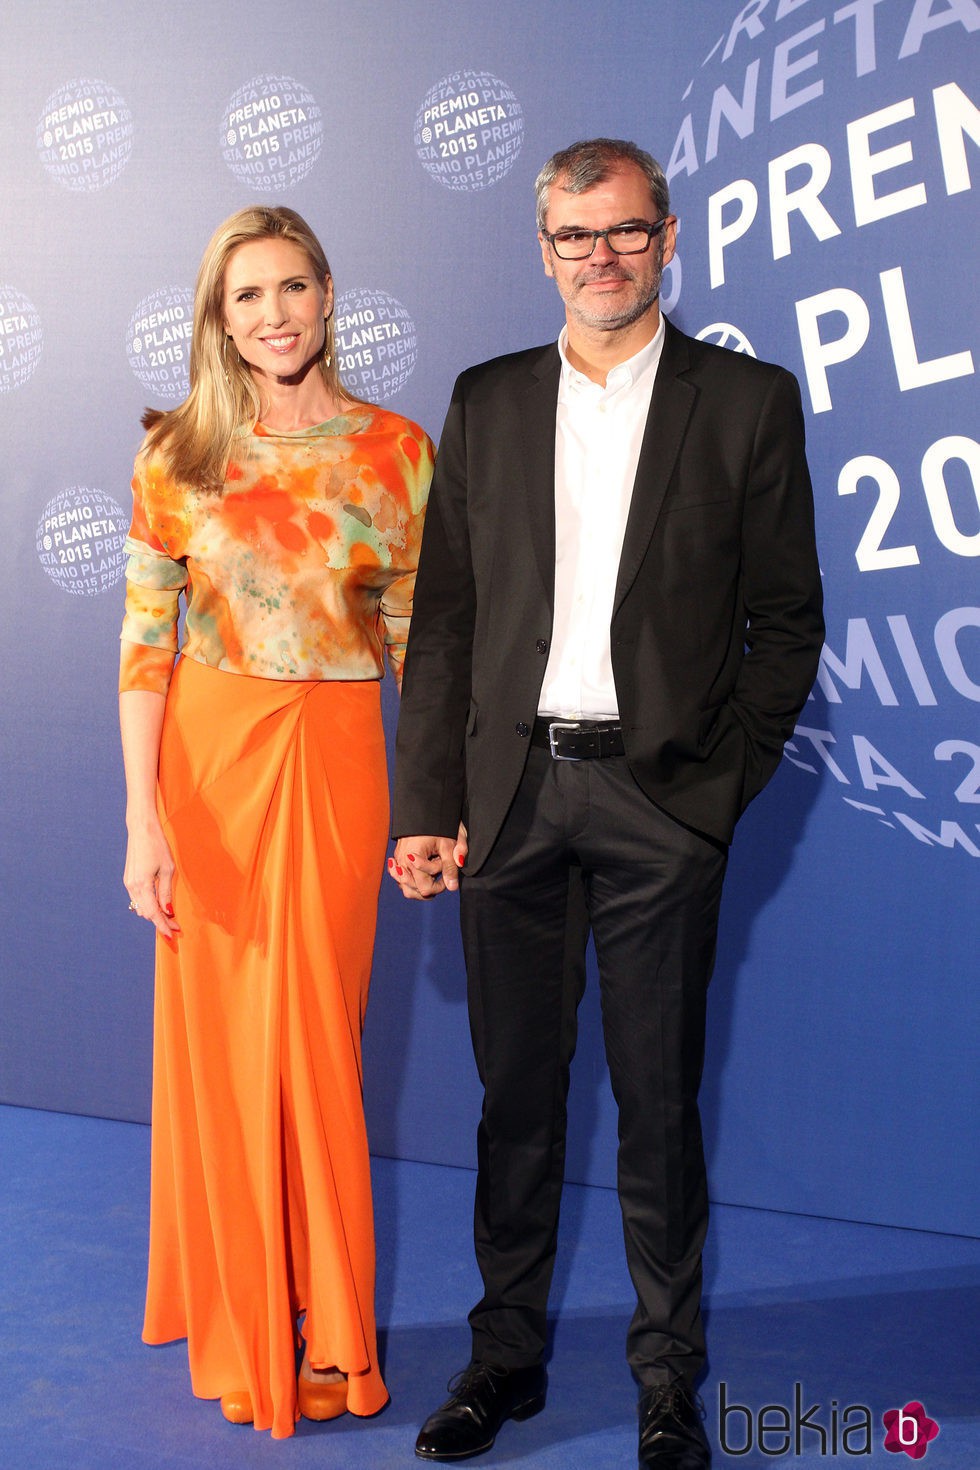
(275, 307)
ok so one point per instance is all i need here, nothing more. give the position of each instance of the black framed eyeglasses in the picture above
(630, 239)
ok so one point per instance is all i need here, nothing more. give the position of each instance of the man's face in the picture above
(607, 292)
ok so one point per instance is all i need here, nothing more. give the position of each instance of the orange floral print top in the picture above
(302, 568)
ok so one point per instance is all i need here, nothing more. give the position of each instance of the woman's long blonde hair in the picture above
(194, 440)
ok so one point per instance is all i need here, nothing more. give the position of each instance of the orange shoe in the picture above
(237, 1406)
(321, 1395)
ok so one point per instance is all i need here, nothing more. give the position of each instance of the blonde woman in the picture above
(288, 515)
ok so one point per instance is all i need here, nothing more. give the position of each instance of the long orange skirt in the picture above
(274, 800)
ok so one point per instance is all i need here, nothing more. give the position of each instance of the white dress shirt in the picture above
(598, 433)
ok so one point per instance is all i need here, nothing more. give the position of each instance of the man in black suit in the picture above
(617, 620)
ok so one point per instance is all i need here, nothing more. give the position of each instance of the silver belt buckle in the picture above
(554, 725)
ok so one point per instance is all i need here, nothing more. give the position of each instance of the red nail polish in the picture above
(399, 871)
(410, 856)
(169, 910)
(461, 860)
(391, 862)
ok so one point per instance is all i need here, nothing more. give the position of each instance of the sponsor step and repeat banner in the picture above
(823, 160)
(832, 171)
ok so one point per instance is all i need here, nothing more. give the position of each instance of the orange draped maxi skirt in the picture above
(274, 799)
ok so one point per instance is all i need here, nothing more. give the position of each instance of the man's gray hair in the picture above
(586, 164)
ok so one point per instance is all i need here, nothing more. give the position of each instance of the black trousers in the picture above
(583, 847)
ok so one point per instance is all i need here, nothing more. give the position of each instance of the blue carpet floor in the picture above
(857, 1315)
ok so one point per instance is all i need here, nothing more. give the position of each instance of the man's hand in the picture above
(425, 866)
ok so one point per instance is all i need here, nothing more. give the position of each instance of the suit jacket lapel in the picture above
(670, 408)
(539, 405)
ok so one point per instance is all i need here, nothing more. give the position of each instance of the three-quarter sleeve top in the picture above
(303, 567)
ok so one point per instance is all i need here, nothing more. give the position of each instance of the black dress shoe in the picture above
(481, 1398)
(672, 1436)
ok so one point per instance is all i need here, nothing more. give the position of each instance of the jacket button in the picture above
(542, 645)
(522, 729)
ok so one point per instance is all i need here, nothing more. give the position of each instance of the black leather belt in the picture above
(578, 740)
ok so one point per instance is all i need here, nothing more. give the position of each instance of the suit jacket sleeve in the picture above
(429, 764)
(781, 588)
(716, 640)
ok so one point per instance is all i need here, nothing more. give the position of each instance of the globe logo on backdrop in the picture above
(85, 135)
(158, 341)
(271, 133)
(80, 539)
(823, 167)
(21, 338)
(469, 130)
(377, 344)
(723, 334)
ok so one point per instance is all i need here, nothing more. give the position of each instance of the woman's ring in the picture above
(132, 906)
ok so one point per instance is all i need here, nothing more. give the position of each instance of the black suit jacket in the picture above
(716, 628)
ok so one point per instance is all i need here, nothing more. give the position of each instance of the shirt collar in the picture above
(623, 375)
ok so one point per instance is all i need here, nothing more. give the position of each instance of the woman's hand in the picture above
(425, 866)
(149, 871)
(149, 875)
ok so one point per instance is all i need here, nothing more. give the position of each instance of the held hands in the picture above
(148, 878)
(425, 866)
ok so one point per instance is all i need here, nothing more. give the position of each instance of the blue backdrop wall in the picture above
(823, 160)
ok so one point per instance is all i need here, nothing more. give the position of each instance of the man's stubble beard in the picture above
(638, 308)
